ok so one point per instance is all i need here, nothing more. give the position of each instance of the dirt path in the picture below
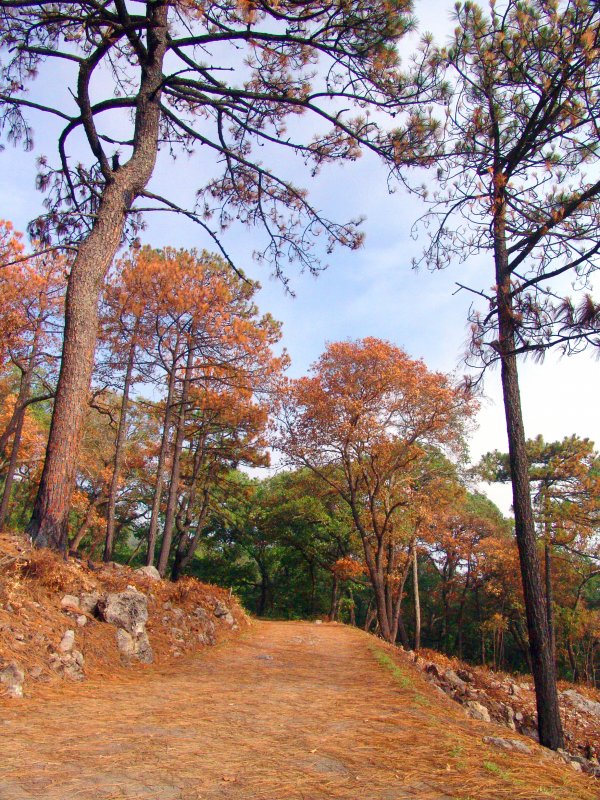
(291, 711)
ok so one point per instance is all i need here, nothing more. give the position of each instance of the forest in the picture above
(141, 387)
(187, 391)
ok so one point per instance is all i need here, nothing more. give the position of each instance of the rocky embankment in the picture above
(66, 620)
(510, 701)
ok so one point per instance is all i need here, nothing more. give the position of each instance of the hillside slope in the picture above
(286, 711)
(69, 620)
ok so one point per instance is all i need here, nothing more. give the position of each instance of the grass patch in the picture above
(387, 662)
(492, 767)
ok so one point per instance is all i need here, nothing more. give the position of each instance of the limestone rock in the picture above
(125, 643)
(581, 703)
(12, 677)
(452, 678)
(465, 675)
(69, 600)
(477, 711)
(144, 649)
(134, 646)
(149, 572)
(81, 620)
(67, 641)
(507, 744)
(508, 715)
(88, 602)
(127, 610)
(222, 612)
(69, 664)
(433, 671)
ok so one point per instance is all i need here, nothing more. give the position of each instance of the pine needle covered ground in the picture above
(288, 711)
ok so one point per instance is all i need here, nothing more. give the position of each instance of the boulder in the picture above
(67, 641)
(150, 572)
(581, 703)
(88, 602)
(508, 715)
(12, 678)
(452, 678)
(137, 646)
(127, 610)
(69, 664)
(477, 711)
(222, 612)
(507, 744)
(69, 600)
(433, 671)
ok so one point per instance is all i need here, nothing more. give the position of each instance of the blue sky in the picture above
(370, 292)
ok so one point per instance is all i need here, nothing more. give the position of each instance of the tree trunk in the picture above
(334, 596)
(49, 520)
(160, 469)
(377, 576)
(85, 524)
(176, 468)
(313, 588)
(415, 566)
(549, 598)
(378, 582)
(187, 547)
(549, 722)
(20, 411)
(119, 448)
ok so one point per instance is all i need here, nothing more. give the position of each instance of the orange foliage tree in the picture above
(32, 290)
(164, 87)
(185, 322)
(362, 421)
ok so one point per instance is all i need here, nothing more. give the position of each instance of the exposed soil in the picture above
(288, 711)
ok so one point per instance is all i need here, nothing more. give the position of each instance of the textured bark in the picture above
(160, 469)
(544, 675)
(119, 450)
(167, 538)
(49, 521)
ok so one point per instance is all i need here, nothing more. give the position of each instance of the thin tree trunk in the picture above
(544, 675)
(49, 520)
(415, 566)
(85, 524)
(549, 597)
(334, 596)
(187, 547)
(378, 581)
(313, 588)
(352, 608)
(160, 469)
(20, 409)
(176, 467)
(397, 618)
(119, 449)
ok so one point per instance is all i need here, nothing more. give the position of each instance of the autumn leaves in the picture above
(365, 422)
